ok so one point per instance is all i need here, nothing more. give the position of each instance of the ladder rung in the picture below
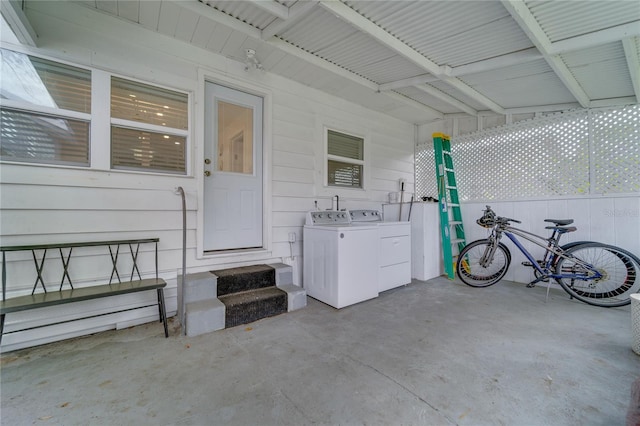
(455, 222)
(448, 170)
(453, 205)
(451, 187)
(457, 240)
(446, 152)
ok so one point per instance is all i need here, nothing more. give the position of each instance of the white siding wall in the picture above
(43, 204)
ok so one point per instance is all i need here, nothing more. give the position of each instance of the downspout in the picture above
(180, 191)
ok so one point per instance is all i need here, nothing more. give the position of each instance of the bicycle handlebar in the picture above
(489, 219)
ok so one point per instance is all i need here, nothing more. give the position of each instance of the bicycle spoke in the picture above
(475, 270)
(618, 271)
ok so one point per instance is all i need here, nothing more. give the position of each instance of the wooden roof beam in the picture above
(436, 93)
(273, 7)
(527, 22)
(296, 12)
(322, 63)
(630, 46)
(288, 48)
(353, 18)
(596, 38)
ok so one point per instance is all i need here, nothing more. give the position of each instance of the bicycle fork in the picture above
(489, 252)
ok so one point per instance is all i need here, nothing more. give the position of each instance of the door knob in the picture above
(207, 161)
(207, 173)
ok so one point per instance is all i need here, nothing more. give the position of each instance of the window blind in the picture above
(40, 138)
(147, 104)
(343, 145)
(40, 82)
(133, 149)
(344, 174)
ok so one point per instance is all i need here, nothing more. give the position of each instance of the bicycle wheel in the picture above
(618, 267)
(472, 273)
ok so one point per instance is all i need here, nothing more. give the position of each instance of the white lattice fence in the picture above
(616, 150)
(575, 153)
(425, 171)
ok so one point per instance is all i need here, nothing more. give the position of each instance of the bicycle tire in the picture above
(620, 270)
(472, 273)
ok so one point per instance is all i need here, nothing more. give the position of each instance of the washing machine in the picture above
(337, 259)
(394, 247)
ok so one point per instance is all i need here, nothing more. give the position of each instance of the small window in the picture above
(45, 111)
(148, 127)
(345, 160)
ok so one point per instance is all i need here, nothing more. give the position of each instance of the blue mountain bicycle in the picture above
(594, 273)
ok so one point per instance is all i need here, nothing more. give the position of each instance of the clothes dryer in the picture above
(394, 248)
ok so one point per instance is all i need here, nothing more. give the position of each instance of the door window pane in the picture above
(235, 138)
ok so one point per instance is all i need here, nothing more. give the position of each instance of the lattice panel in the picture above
(544, 157)
(617, 150)
(425, 164)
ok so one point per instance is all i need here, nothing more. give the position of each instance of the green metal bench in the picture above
(62, 296)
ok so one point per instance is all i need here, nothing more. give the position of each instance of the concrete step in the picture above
(296, 296)
(200, 286)
(252, 305)
(235, 280)
(204, 316)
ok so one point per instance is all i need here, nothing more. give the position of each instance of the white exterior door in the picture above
(233, 169)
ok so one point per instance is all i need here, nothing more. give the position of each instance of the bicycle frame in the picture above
(551, 250)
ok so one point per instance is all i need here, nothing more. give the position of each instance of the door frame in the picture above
(207, 75)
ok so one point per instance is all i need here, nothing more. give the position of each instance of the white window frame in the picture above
(100, 120)
(62, 113)
(327, 157)
(153, 128)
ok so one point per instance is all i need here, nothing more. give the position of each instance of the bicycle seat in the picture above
(562, 229)
(560, 222)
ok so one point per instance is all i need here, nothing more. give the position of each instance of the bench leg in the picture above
(163, 312)
(1, 326)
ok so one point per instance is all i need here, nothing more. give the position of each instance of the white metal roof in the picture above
(421, 60)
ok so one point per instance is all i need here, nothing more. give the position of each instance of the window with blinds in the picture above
(45, 111)
(345, 160)
(45, 117)
(149, 127)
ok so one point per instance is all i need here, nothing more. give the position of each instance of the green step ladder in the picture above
(451, 229)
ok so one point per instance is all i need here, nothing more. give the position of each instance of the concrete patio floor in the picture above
(430, 353)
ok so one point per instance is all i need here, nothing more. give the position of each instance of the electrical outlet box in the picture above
(292, 237)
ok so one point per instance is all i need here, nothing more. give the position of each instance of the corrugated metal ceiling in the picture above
(446, 33)
(565, 19)
(479, 55)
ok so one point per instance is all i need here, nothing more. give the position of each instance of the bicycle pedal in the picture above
(527, 264)
(531, 285)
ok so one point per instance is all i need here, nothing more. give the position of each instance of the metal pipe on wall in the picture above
(180, 191)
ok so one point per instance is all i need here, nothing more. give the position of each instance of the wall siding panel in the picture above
(42, 204)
